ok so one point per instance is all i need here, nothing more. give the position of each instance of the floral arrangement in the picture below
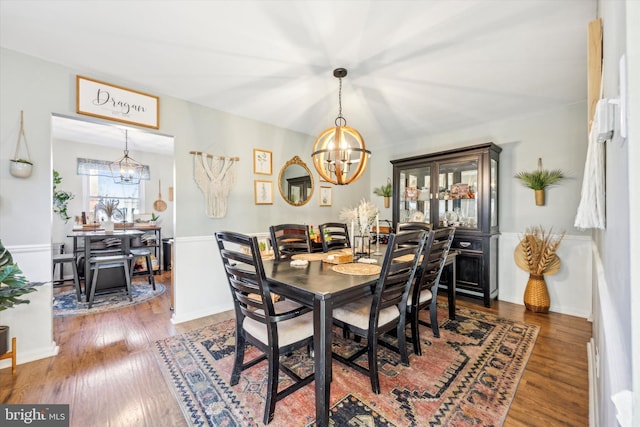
(536, 252)
(363, 216)
(108, 206)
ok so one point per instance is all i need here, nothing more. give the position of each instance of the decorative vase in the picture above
(539, 197)
(20, 169)
(4, 340)
(108, 226)
(536, 295)
(387, 201)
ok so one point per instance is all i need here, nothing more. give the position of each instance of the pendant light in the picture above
(339, 154)
(126, 170)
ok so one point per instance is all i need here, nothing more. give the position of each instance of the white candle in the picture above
(377, 226)
(353, 235)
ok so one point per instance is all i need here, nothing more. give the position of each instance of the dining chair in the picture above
(334, 235)
(404, 226)
(385, 310)
(289, 239)
(424, 293)
(274, 328)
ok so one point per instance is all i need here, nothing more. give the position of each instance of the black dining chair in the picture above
(385, 310)
(289, 239)
(334, 235)
(427, 280)
(274, 328)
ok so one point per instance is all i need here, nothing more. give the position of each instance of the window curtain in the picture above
(101, 168)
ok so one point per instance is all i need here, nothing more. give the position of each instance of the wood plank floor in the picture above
(107, 372)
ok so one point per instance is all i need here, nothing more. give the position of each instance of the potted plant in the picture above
(20, 168)
(13, 284)
(385, 191)
(539, 180)
(536, 254)
(110, 208)
(60, 198)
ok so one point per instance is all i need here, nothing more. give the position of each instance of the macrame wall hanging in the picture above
(215, 175)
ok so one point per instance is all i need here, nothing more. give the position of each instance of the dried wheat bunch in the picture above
(536, 252)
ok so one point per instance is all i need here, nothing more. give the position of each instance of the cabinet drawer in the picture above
(467, 244)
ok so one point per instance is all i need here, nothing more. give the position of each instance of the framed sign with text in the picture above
(107, 101)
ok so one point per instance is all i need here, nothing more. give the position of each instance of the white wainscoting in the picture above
(570, 289)
(32, 324)
(201, 287)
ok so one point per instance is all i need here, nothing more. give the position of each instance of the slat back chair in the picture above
(274, 328)
(405, 226)
(425, 290)
(385, 310)
(335, 235)
(289, 239)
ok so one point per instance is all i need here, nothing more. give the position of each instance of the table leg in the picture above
(451, 290)
(322, 323)
(87, 267)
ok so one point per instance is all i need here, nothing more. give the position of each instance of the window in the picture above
(99, 184)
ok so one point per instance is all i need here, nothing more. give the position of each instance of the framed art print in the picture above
(263, 192)
(261, 161)
(325, 196)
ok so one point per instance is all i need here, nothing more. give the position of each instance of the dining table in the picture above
(318, 286)
(90, 236)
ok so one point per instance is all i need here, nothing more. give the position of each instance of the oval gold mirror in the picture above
(295, 182)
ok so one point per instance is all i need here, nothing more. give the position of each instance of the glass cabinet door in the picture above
(493, 202)
(414, 197)
(457, 191)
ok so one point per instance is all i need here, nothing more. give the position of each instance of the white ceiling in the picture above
(415, 67)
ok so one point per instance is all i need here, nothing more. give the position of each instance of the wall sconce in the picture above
(339, 154)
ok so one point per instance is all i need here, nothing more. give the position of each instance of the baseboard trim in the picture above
(592, 359)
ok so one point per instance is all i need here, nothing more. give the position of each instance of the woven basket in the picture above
(536, 296)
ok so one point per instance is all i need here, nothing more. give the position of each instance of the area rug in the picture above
(468, 376)
(66, 303)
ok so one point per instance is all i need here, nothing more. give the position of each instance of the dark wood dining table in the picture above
(316, 285)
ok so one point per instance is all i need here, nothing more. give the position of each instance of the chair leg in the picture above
(372, 357)
(239, 356)
(94, 283)
(127, 276)
(415, 332)
(434, 323)
(152, 281)
(402, 342)
(76, 280)
(272, 387)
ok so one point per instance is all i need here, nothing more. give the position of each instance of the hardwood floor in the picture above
(106, 369)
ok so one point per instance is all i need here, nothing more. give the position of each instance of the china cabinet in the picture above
(456, 188)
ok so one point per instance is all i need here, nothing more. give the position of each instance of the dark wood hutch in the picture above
(456, 188)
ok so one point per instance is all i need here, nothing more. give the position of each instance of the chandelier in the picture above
(339, 154)
(126, 170)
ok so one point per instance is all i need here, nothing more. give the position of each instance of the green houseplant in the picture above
(385, 191)
(60, 198)
(539, 180)
(13, 285)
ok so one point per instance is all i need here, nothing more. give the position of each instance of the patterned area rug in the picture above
(66, 304)
(468, 376)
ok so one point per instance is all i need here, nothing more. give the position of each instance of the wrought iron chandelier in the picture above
(339, 154)
(126, 170)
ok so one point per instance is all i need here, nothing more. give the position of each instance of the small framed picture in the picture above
(261, 161)
(325, 196)
(263, 192)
